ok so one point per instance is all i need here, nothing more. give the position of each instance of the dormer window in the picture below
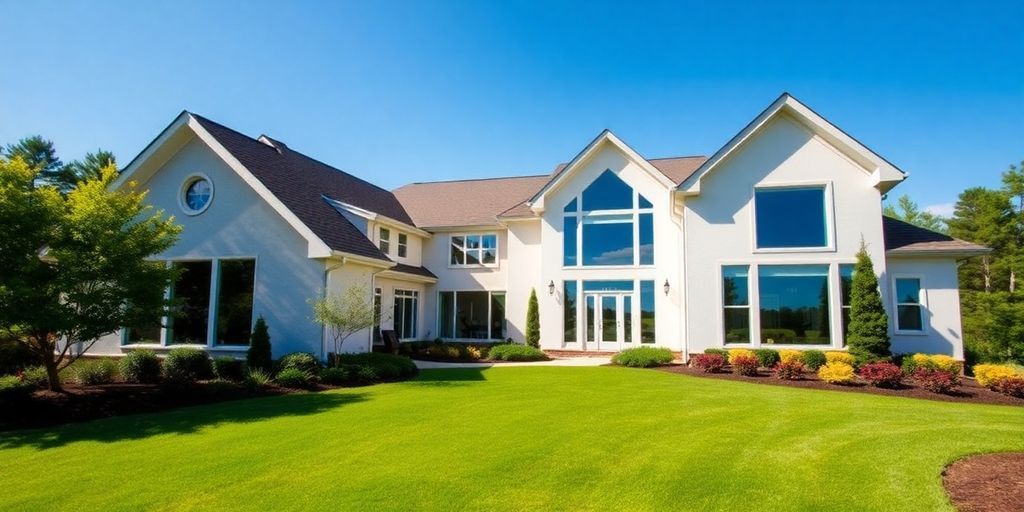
(384, 241)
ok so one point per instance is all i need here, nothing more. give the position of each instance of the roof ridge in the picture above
(476, 179)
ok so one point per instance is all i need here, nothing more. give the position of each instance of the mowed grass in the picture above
(537, 438)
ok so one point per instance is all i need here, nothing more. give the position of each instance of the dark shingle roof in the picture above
(905, 238)
(409, 269)
(300, 182)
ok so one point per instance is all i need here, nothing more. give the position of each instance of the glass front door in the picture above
(606, 321)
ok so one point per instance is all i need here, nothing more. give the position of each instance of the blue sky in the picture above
(396, 92)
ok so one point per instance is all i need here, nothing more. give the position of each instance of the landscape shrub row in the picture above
(439, 349)
(643, 357)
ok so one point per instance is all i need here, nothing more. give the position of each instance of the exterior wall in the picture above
(524, 274)
(414, 255)
(238, 223)
(719, 224)
(341, 276)
(940, 287)
(667, 251)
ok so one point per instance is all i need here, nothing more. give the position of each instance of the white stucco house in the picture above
(750, 247)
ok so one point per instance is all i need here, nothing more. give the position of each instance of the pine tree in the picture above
(868, 336)
(259, 356)
(533, 321)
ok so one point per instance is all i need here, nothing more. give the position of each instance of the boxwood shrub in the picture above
(140, 366)
(185, 364)
(643, 357)
(229, 368)
(303, 361)
(813, 359)
(766, 357)
(515, 352)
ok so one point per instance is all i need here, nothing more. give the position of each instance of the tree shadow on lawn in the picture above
(185, 420)
(444, 377)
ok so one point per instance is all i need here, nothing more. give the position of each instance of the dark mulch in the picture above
(970, 392)
(986, 483)
(83, 403)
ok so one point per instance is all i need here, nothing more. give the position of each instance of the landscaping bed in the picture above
(456, 352)
(969, 392)
(986, 483)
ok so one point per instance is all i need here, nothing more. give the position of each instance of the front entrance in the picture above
(609, 321)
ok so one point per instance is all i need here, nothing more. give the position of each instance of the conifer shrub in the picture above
(868, 332)
(259, 355)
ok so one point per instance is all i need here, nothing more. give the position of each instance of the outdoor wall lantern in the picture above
(551, 288)
(666, 287)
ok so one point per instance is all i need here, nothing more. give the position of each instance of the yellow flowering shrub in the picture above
(791, 356)
(937, 361)
(835, 356)
(473, 352)
(836, 373)
(989, 374)
(740, 352)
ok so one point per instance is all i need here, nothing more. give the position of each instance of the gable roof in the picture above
(301, 182)
(886, 175)
(904, 238)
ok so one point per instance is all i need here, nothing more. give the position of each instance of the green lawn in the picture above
(514, 438)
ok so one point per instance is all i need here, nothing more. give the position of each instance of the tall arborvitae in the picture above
(868, 336)
(259, 356)
(533, 321)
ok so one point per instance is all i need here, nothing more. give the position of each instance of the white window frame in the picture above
(830, 235)
(749, 305)
(189, 180)
(212, 313)
(581, 218)
(922, 296)
(455, 314)
(406, 294)
(384, 242)
(403, 245)
(479, 251)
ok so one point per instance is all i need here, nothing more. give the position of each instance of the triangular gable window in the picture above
(571, 207)
(608, 192)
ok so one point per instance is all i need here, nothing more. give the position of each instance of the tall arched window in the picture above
(609, 224)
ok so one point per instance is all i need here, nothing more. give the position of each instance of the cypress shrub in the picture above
(868, 338)
(533, 321)
(259, 355)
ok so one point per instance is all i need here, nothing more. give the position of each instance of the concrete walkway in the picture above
(564, 361)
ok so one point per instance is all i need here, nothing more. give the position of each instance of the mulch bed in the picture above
(986, 483)
(84, 403)
(970, 391)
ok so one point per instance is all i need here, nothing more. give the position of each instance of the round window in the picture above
(196, 194)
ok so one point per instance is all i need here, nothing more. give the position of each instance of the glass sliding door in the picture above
(405, 312)
(472, 315)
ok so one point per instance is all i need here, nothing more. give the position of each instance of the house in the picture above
(751, 247)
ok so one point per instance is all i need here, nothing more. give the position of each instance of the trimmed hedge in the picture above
(767, 357)
(643, 357)
(229, 368)
(141, 366)
(515, 352)
(185, 364)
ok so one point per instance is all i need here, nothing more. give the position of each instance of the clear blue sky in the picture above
(396, 92)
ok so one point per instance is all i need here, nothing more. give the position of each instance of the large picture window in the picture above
(794, 303)
(405, 313)
(190, 321)
(476, 315)
(608, 224)
(234, 301)
(647, 332)
(569, 311)
(845, 289)
(791, 217)
(909, 306)
(474, 250)
(736, 303)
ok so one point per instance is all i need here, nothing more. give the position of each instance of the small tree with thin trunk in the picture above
(868, 337)
(533, 321)
(260, 355)
(345, 314)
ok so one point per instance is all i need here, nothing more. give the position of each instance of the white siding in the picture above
(939, 282)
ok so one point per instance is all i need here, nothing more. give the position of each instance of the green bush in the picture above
(140, 366)
(515, 352)
(643, 357)
(814, 359)
(367, 373)
(229, 368)
(338, 375)
(257, 379)
(302, 361)
(718, 351)
(12, 388)
(93, 372)
(533, 321)
(385, 366)
(14, 355)
(868, 338)
(185, 364)
(36, 376)
(766, 357)
(292, 377)
(259, 355)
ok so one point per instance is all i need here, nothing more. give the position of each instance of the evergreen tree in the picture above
(259, 356)
(868, 336)
(908, 211)
(533, 321)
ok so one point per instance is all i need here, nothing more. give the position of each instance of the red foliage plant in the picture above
(882, 375)
(789, 370)
(709, 363)
(1013, 386)
(937, 381)
(745, 365)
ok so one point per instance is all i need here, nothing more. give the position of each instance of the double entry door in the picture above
(609, 320)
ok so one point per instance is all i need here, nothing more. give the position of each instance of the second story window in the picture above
(609, 224)
(474, 250)
(403, 245)
(791, 218)
(385, 240)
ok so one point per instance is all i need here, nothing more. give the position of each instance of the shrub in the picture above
(743, 365)
(643, 357)
(868, 328)
(740, 352)
(834, 356)
(302, 361)
(515, 352)
(443, 351)
(790, 355)
(257, 378)
(292, 377)
(338, 375)
(35, 375)
(882, 375)
(367, 373)
(836, 373)
(13, 388)
(385, 366)
(259, 355)
(708, 363)
(14, 355)
(814, 359)
(790, 370)
(91, 373)
(937, 380)
(989, 374)
(767, 357)
(533, 321)
(475, 353)
(140, 366)
(1013, 386)
(229, 368)
(722, 352)
(187, 365)
(935, 362)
